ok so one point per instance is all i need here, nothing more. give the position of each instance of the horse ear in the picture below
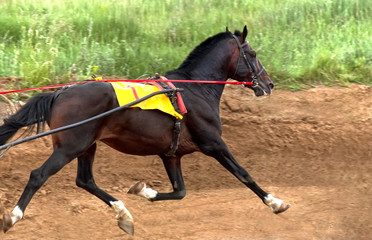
(245, 33)
(227, 29)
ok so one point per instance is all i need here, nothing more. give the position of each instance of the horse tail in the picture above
(36, 111)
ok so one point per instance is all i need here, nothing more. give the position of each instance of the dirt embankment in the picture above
(312, 148)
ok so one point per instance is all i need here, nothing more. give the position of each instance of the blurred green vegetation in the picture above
(302, 43)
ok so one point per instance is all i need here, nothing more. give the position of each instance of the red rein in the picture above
(138, 80)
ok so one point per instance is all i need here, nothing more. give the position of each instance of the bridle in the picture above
(249, 64)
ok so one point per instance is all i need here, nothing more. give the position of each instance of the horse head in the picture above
(245, 66)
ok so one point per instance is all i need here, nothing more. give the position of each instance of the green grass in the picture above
(301, 42)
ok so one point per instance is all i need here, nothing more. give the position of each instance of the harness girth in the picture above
(178, 105)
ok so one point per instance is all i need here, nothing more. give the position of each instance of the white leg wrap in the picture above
(273, 203)
(125, 219)
(121, 211)
(140, 189)
(147, 192)
(16, 215)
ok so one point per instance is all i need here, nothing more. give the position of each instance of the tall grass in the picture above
(300, 42)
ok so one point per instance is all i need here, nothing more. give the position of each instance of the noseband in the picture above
(249, 64)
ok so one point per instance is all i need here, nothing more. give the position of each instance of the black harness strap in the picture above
(177, 122)
(249, 64)
(176, 138)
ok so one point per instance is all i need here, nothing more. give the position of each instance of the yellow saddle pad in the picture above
(127, 92)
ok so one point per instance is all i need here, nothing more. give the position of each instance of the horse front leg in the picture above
(221, 153)
(173, 167)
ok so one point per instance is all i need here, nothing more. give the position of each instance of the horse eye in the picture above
(252, 53)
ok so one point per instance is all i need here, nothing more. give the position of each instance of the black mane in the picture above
(204, 48)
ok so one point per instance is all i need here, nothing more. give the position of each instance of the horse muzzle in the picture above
(261, 89)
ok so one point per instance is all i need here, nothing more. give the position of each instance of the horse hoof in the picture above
(125, 219)
(7, 222)
(140, 189)
(127, 226)
(284, 206)
(136, 188)
(276, 205)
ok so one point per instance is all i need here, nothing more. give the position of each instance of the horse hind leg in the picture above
(37, 178)
(173, 167)
(86, 181)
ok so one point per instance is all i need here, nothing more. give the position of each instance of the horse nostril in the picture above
(271, 85)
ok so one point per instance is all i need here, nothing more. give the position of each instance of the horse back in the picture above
(131, 130)
(82, 101)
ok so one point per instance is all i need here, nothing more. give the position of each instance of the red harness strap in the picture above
(180, 103)
(177, 122)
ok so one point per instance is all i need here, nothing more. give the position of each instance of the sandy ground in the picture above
(312, 148)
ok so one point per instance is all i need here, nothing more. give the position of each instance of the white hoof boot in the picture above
(9, 220)
(125, 219)
(140, 189)
(276, 205)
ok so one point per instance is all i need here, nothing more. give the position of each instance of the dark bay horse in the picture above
(144, 132)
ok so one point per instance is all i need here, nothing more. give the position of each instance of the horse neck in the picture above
(213, 66)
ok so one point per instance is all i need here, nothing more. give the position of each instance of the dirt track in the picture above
(311, 148)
